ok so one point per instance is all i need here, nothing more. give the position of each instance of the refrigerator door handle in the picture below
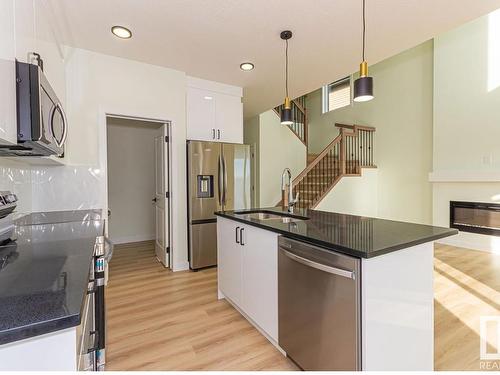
(225, 180)
(220, 182)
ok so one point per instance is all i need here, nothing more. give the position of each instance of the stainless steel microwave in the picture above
(41, 122)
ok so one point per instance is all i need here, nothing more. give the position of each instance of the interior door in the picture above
(161, 199)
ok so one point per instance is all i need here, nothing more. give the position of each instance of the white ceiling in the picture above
(210, 38)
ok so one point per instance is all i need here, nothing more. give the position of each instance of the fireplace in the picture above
(475, 217)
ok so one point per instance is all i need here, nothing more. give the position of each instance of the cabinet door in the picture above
(201, 115)
(229, 118)
(8, 117)
(229, 259)
(260, 278)
(48, 45)
(25, 29)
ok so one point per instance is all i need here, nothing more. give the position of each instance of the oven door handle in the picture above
(319, 266)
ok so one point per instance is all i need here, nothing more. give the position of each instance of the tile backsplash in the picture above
(53, 188)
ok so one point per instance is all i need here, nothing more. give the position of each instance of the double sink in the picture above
(268, 215)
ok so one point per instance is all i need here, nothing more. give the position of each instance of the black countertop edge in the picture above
(38, 329)
(334, 246)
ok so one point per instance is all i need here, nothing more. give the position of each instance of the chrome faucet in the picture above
(289, 201)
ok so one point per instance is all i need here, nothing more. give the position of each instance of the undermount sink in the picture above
(271, 215)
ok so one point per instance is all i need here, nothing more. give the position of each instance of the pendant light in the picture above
(363, 86)
(286, 112)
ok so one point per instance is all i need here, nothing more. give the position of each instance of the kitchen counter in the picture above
(44, 273)
(362, 237)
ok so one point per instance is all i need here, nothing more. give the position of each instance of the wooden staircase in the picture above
(350, 151)
(299, 126)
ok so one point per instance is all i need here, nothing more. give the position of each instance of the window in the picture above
(336, 95)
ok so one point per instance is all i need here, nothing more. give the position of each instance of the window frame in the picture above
(325, 94)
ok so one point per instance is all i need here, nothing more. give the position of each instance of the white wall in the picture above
(251, 137)
(131, 179)
(467, 97)
(467, 123)
(99, 84)
(279, 148)
(402, 115)
(354, 195)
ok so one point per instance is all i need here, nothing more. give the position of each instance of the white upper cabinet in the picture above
(26, 26)
(229, 118)
(48, 43)
(214, 111)
(8, 117)
(200, 114)
(25, 29)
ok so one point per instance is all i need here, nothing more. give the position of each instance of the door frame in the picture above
(103, 147)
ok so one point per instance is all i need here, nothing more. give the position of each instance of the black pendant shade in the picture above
(363, 89)
(363, 86)
(286, 116)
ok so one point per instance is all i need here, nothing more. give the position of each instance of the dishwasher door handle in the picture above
(319, 266)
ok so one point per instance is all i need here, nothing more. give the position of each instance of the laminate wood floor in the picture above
(466, 286)
(159, 320)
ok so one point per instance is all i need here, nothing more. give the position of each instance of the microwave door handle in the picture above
(64, 120)
(65, 124)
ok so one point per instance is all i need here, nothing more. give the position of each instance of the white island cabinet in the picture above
(396, 313)
(248, 273)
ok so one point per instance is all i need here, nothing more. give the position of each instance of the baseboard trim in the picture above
(130, 239)
(473, 241)
(183, 266)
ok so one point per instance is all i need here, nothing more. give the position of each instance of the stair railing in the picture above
(350, 151)
(299, 125)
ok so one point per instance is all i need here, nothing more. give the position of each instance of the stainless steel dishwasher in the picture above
(319, 307)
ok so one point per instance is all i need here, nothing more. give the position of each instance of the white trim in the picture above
(184, 266)
(103, 164)
(473, 241)
(464, 176)
(131, 239)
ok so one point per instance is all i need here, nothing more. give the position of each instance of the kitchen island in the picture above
(333, 291)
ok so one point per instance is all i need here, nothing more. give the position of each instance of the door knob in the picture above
(154, 200)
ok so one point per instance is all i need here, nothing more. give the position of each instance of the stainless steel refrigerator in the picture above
(218, 179)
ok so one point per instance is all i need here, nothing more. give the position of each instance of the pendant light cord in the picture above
(286, 68)
(364, 28)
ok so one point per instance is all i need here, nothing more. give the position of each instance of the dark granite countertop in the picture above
(362, 237)
(44, 273)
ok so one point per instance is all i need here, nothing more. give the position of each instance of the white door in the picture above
(161, 200)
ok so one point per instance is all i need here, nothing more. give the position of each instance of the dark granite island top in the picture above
(44, 273)
(358, 236)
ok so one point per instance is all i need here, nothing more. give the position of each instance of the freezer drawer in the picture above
(203, 245)
(318, 307)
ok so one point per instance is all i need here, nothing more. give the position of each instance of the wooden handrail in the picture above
(356, 127)
(318, 158)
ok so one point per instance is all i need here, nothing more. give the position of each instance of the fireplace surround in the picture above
(475, 217)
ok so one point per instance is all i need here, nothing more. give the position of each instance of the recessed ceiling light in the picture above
(121, 32)
(247, 66)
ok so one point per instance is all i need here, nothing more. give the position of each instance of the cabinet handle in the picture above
(218, 133)
(213, 133)
(236, 231)
(241, 237)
